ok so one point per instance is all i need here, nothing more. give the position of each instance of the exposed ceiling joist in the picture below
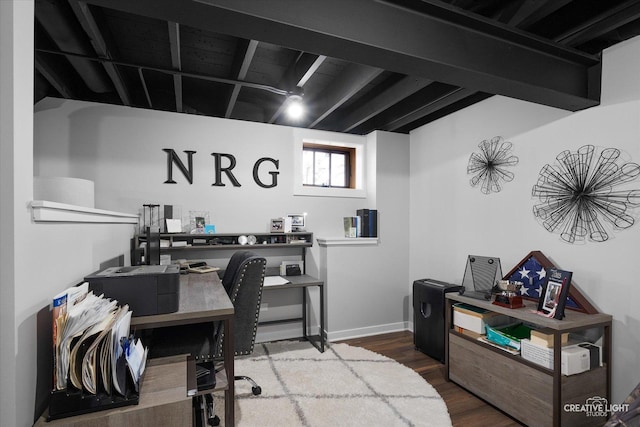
(145, 88)
(246, 51)
(623, 14)
(99, 44)
(174, 46)
(53, 78)
(449, 98)
(302, 69)
(382, 101)
(533, 11)
(361, 65)
(352, 79)
(306, 66)
(478, 54)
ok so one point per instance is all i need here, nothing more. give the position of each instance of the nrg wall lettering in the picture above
(220, 159)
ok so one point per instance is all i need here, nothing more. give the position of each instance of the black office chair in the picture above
(243, 280)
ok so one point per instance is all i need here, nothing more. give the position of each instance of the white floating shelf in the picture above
(347, 241)
(45, 211)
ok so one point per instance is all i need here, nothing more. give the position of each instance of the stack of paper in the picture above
(90, 337)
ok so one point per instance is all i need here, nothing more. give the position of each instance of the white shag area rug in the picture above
(344, 386)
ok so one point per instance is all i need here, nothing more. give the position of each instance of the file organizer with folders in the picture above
(70, 402)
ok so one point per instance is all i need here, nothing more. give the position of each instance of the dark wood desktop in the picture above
(203, 299)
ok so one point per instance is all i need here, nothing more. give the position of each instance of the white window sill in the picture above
(329, 192)
(347, 241)
(45, 211)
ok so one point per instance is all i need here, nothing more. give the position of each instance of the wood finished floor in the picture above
(464, 408)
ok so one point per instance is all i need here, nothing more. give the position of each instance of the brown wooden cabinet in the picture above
(533, 394)
(164, 401)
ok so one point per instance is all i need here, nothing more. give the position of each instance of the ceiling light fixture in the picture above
(295, 106)
(295, 109)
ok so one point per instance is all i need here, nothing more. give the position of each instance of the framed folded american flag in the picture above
(532, 272)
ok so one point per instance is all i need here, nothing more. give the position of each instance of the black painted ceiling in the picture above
(362, 65)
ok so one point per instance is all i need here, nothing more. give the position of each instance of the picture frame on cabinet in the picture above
(532, 270)
(554, 293)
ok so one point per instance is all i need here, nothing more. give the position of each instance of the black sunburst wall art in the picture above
(580, 193)
(489, 166)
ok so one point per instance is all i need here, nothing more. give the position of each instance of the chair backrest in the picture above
(245, 292)
(233, 267)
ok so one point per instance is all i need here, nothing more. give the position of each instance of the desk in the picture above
(164, 388)
(303, 282)
(202, 299)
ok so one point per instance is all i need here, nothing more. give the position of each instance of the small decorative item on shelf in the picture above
(351, 226)
(554, 293)
(197, 221)
(173, 225)
(508, 294)
(277, 225)
(172, 219)
(297, 221)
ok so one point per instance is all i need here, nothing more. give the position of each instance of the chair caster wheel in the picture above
(215, 421)
(256, 390)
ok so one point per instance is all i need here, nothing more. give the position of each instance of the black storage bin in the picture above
(428, 316)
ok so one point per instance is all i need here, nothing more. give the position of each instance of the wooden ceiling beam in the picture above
(246, 51)
(437, 42)
(53, 77)
(602, 24)
(406, 87)
(353, 79)
(176, 63)
(88, 23)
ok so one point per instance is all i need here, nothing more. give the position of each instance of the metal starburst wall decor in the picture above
(578, 194)
(489, 165)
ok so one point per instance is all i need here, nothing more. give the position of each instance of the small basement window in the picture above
(325, 168)
(328, 166)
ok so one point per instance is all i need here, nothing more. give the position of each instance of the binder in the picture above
(369, 222)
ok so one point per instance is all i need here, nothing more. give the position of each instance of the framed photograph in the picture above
(297, 222)
(197, 221)
(555, 291)
(277, 225)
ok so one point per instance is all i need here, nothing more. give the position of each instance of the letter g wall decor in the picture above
(219, 158)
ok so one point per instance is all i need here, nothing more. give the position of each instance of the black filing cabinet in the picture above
(428, 316)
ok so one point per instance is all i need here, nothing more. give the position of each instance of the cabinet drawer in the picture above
(520, 390)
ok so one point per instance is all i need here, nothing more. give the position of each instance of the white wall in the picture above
(120, 148)
(36, 260)
(366, 286)
(450, 219)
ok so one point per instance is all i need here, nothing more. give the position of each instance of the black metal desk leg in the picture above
(304, 313)
(321, 288)
(229, 362)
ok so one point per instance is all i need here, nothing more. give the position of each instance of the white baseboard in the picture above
(368, 331)
(267, 333)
